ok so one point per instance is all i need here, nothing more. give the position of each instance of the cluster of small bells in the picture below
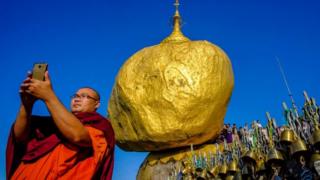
(287, 152)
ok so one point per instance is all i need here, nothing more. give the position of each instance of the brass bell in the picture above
(204, 174)
(198, 169)
(287, 136)
(230, 177)
(274, 156)
(261, 167)
(233, 166)
(198, 173)
(249, 156)
(187, 170)
(314, 157)
(298, 147)
(214, 171)
(315, 138)
(210, 175)
(238, 176)
(245, 170)
(223, 169)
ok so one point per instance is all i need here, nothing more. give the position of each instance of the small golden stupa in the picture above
(172, 94)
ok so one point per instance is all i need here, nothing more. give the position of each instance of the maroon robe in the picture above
(45, 136)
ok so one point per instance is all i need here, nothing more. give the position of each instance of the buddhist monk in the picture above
(66, 145)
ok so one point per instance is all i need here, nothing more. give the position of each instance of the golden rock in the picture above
(171, 95)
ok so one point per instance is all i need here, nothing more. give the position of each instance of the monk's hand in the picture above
(27, 99)
(41, 89)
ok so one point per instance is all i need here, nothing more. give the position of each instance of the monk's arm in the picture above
(21, 127)
(68, 124)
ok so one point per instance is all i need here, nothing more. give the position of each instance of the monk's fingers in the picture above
(27, 80)
(29, 74)
(29, 91)
(25, 85)
(35, 81)
(22, 92)
(23, 88)
(46, 76)
(31, 88)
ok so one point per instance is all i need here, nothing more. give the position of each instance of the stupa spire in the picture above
(176, 34)
(176, 4)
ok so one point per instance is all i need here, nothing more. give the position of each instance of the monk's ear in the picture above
(97, 104)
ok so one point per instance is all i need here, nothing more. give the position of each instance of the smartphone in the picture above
(38, 70)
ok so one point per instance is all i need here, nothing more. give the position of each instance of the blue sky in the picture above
(86, 42)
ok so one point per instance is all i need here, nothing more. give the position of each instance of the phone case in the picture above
(38, 71)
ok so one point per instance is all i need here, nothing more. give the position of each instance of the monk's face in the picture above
(85, 100)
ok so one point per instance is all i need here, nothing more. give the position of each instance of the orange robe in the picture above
(64, 161)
